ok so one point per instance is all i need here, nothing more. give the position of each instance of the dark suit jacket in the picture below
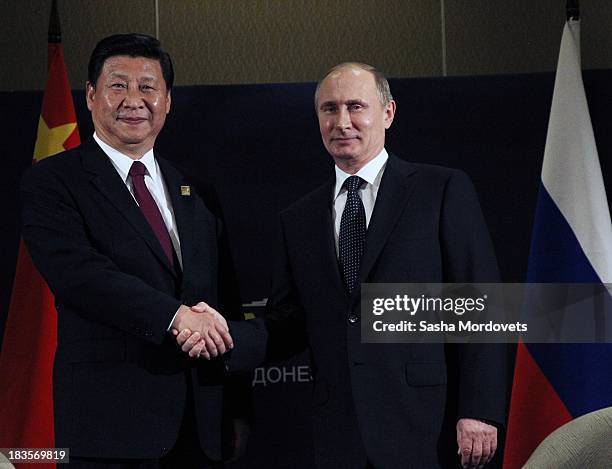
(119, 380)
(394, 403)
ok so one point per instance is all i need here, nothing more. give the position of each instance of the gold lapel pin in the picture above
(186, 190)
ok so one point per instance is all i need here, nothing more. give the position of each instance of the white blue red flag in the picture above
(571, 242)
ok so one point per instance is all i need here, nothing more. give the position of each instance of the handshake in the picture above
(201, 331)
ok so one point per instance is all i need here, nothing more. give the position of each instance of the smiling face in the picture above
(352, 118)
(129, 103)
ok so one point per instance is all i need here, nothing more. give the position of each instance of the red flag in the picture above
(536, 410)
(30, 337)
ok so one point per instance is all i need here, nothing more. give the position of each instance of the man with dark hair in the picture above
(382, 219)
(128, 248)
(130, 45)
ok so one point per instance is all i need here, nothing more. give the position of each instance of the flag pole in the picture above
(572, 10)
(55, 33)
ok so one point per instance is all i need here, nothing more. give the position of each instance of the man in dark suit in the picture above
(381, 219)
(127, 246)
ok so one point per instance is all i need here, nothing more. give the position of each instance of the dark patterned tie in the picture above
(352, 233)
(150, 209)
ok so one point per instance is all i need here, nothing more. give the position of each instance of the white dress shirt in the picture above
(154, 182)
(371, 173)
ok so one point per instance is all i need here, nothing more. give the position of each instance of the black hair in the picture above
(132, 45)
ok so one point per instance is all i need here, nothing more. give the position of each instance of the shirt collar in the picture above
(371, 172)
(123, 163)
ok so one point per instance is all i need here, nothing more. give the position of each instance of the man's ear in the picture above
(90, 91)
(389, 113)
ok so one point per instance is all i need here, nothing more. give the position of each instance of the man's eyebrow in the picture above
(328, 103)
(123, 76)
(349, 102)
(119, 75)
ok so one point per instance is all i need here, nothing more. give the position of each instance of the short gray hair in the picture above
(382, 85)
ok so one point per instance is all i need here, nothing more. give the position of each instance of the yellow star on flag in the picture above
(51, 141)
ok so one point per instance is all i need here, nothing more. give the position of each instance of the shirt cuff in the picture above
(172, 320)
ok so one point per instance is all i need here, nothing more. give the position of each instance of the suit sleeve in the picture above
(285, 318)
(281, 334)
(468, 256)
(81, 277)
(237, 389)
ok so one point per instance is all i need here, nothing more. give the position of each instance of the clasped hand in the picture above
(201, 331)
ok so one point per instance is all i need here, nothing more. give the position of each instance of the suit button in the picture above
(353, 318)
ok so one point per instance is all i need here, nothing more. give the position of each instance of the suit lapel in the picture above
(106, 179)
(183, 207)
(319, 235)
(394, 193)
